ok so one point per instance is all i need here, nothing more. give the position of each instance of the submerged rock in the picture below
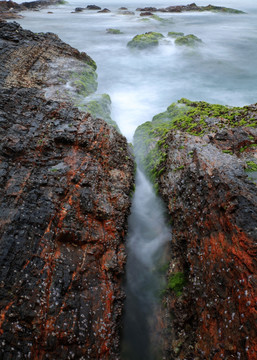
(114, 31)
(105, 10)
(126, 12)
(174, 34)
(187, 40)
(144, 41)
(197, 154)
(66, 180)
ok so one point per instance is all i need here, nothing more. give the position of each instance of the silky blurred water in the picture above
(141, 84)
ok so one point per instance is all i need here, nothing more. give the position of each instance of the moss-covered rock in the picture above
(220, 9)
(188, 40)
(176, 282)
(85, 82)
(174, 34)
(98, 106)
(144, 41)
(192, 117)
(114, 31)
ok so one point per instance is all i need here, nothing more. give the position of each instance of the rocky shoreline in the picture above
(199, 156)
(67, 180)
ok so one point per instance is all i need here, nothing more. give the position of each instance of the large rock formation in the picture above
(199, 155)
(66, 180)
(192, 7)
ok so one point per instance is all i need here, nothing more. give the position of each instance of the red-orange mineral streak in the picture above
(2, 315)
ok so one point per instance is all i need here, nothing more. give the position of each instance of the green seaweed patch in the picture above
(144, 41)
(188, 40)
(176, 282)
(230, 152)
(114, 31)
(144, 19)
(221, 9)
(100, 107)
(160, 19)
(251, 166)
(174, 34)
(85, 81)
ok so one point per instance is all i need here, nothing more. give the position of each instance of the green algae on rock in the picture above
(192, 117)
(114, 31)
(144, 41)
(188, 40)
(174, 34)
(220, 9)
(99, 106)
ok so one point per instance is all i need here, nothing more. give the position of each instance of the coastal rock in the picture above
(192, 7)
(187, 40)
(66, 180)
(197, 156)
(93, 7)
(105, 10)
(145, 41)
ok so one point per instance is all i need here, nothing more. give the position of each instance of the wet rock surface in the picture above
(209, 305)
(191, 7)
(10, 9)
(66, 180)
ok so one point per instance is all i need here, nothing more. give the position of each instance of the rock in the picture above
(66, 180)
(174, 34)
(126, 12)
(114, 31)
(188, 40)
(146, 13)
(79, 9)
(197, 154)
(144, 41)
(147, 9)
(192, 7)
(93, 7)
(105, 10)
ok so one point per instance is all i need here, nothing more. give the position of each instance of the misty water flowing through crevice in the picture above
(142, 84)
(147, 238)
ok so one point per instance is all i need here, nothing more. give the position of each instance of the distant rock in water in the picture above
(79, 9)
(199, 156)
(114, 31)
(192, 7)
(10, 9)
(93, 7)
(144, 41)
(66, 180)
(105, 10)
(187, 40)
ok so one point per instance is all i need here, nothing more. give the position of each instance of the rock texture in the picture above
(209, 306)
(66, 180)
(10, 9)
(191, 7)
